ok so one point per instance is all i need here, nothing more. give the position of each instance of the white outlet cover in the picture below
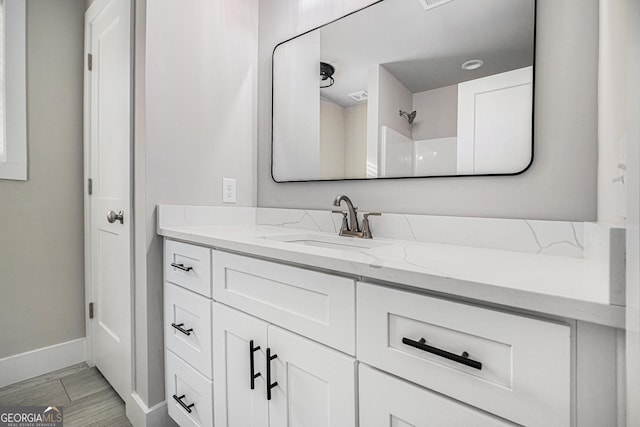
(229, 190)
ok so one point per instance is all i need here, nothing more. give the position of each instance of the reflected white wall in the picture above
(296, 114)
(393, 97)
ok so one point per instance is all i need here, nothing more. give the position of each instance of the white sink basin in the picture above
(329, 242)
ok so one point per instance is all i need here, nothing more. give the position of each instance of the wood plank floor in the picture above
(86, 397)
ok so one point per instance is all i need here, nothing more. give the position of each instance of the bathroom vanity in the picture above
(271, 320)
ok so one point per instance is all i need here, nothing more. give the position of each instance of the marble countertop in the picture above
(565, 286)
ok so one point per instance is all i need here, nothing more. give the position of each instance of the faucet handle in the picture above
(345, 221)
(366, 229)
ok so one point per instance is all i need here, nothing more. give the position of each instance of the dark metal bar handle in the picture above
(252, 350)
(463, 358)
(181, 267)
(269, 384)
(184, 331)
(184, 405)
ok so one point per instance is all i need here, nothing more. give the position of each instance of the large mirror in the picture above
(407, 88)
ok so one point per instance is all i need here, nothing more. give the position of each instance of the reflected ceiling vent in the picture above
(430, 4)
(363, 95)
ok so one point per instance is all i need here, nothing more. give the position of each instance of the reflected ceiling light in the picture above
(326, 75)
(472, 64)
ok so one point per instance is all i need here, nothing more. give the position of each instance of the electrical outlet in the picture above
(229, 190)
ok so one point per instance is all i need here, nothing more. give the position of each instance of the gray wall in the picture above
(633, 219)
(41, 220)
(195, 126)
(560, 185)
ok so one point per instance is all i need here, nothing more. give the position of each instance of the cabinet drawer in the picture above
(317, 305)
(188, 266)
(525, 363)
(184, 382)
(388, 401)
(187, 329)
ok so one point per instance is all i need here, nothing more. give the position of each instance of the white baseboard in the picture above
(27, 365)
(141, 416)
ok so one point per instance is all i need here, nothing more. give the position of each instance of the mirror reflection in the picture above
(407, 88)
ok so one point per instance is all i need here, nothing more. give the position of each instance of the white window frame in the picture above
(14, 164)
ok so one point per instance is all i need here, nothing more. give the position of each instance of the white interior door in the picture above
(108, 86)
(495, 122)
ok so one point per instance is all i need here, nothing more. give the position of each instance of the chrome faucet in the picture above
(350, 226)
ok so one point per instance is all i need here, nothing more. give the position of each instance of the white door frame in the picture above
(92, 12)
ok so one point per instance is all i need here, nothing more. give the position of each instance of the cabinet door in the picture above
(235, 403)
(316, 385)
(386, 401)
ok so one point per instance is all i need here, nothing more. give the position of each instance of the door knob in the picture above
(113, 217)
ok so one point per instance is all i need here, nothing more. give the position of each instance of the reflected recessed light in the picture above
(473, 64)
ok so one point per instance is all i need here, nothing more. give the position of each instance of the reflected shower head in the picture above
(409, 116)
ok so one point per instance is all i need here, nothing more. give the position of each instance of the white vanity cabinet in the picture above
(339, 351)
(267, 376)
(213, 351)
